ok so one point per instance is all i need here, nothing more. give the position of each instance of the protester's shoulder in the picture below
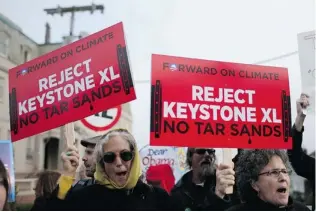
(160, 192)
(85, 192)
(39, 204)
(150, 189)
(298, 206)
(179, 186)
(83, 183)
(238, 207)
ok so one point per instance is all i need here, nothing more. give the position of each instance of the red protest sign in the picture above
(70, 83)
(201, 103)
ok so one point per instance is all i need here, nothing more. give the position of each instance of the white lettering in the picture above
(180, 110)
(105, 77)
(113, 76)
(266, 115)
(197, 92)
(87, 64)
(274, 116)
(227, 95)
(168, 112)
(77, 85)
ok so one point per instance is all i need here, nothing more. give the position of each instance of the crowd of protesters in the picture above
(112, 178)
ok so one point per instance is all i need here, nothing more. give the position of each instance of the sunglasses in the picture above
(109, 157)
(202, 151)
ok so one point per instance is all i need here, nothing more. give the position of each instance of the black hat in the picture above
(91, 141)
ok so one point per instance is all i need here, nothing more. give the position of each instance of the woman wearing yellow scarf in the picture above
(117, 180)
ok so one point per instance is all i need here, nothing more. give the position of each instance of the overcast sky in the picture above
(244, 31)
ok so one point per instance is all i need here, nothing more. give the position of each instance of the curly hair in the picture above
(5, 183)
(46, 183)
(249, 165)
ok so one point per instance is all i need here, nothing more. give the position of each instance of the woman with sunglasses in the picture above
(118, 185)
(263, 181)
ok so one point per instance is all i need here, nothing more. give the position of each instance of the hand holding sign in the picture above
(225, 178)
(302, 103)
(70, 160)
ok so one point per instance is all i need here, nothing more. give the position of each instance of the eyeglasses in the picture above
(109, 157)
(202, 151)
(276, 172)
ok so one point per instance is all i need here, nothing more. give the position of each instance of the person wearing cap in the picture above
(67, 184)
(88, 163)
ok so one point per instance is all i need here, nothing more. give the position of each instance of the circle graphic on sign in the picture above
(103, 120)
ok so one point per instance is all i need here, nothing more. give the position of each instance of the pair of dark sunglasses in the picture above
(109, 157)
(202, 151)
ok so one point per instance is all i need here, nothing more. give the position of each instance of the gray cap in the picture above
(91, 141)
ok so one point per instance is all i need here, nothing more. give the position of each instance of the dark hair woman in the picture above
(263, 181)
(47, 182)
(4, 188)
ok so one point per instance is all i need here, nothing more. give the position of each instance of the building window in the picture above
(2, 86)
(4, 44)
(27, 56)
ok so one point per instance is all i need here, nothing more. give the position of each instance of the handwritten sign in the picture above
(175, 157)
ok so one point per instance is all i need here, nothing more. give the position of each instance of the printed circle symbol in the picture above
(103, 121)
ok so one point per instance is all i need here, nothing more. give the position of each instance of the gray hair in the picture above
(99, 151)
(188, 160)
(249, 165)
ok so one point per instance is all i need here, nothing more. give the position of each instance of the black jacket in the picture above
(257, 204)
(189, 196)
(303, 164)
(39, 204)
(99, 198)
(81, 184)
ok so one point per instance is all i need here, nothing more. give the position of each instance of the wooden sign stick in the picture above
(227, 159)
(68, 135)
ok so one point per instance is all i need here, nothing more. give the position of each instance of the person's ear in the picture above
(255, 186)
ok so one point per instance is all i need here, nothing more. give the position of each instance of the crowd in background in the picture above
(112, 178)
